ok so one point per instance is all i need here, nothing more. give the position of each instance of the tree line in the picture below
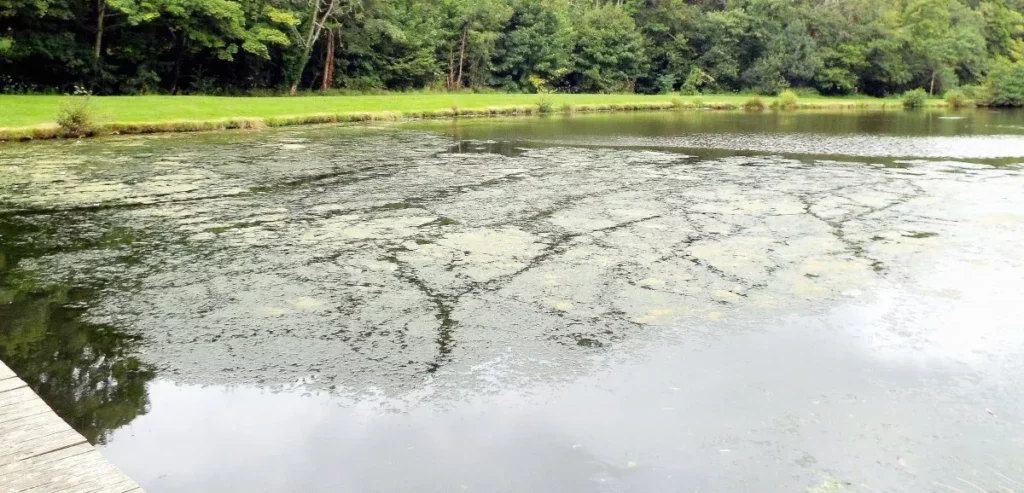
(873, 47)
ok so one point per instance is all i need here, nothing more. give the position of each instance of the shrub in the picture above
(677, 103)
(694, 81)
(1006, 85)
(754, 104)
(787, 100)
(568, 108)
(956, 98)
(915, 98)
(545, 104)
(75, 117)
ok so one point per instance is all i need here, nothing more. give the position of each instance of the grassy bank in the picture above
(33, 117)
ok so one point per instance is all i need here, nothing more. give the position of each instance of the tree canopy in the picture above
(874, 47)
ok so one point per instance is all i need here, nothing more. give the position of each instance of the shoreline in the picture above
(561, 105)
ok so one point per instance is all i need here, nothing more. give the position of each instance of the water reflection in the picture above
(388, 269)
(86, 372)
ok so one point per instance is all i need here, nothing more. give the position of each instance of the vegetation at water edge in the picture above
(868, 47)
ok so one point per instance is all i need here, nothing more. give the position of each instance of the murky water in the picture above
(632, 302)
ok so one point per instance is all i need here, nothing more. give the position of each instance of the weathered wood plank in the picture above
(11, 384)
(78, 473)
(40, 453)
(40, 461)
(97, 475)
(16, 431)
(23, 410)
(6, 372)
(17, 395)
(42, 445)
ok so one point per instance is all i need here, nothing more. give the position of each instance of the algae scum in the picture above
(663, 302)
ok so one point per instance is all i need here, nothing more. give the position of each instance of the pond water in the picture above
(629, 302)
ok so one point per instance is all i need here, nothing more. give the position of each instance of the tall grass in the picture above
(754, 104)
(545, 104)
(75, 117)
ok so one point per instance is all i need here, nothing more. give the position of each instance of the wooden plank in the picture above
(5, 372)
(93, 473)
(8, 470)
(71, 472)
(23, 410)
(11, 384)
(17, 395)
(42, 445)
(78, 473)
(40, 453)
(17, 431)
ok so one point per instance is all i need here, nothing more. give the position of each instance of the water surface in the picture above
(629, 302)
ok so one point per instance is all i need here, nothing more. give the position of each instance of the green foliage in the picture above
(1005, 86)
(75, 117)
(545, 104)
(754, 104)
(609, 52)
(532, 50)
(86, 372)
(271, 46)
(914, 98)
(956, 98)
(696, 79)
(787, 100)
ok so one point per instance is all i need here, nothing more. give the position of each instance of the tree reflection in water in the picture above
(86, 372)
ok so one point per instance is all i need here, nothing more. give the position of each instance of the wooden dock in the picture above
(40, 453)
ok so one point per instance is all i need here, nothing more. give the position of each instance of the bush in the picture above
(75, 117)
(787, 100)
(677, 103)
(915, 98)
(956, 98)
(545, 104)
(754, 104)
(694, 81)
(1006, 86)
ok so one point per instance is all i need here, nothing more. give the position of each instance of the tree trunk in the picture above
(451, 68)
(462, 57)
(178, 62)
(931, 90)
(101, 13)
(316, 24)
(328, 78)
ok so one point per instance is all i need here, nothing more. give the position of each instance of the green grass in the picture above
(144, 114)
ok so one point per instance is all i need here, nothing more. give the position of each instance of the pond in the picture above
(691, 301)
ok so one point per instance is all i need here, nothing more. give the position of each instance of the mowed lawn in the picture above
(23, 111)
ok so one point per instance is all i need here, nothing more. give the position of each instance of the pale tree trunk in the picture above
(462, 57)
(328, 78)
(451, 68)
(316, 25)
(931, 90)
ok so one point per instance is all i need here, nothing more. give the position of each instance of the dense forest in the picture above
(874, 47)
